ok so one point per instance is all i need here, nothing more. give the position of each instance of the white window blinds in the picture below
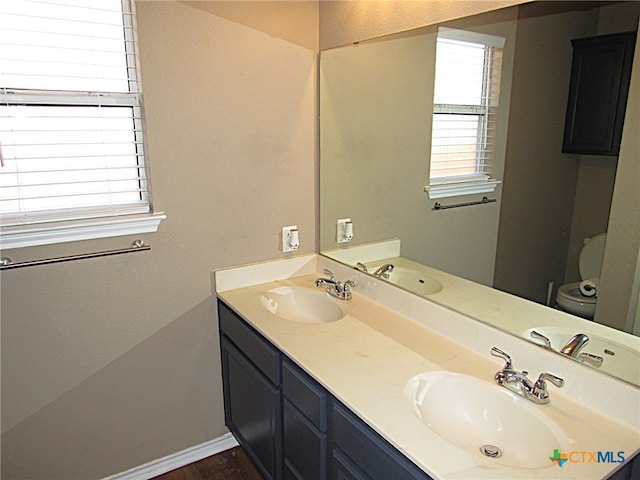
(71, 134)
(467, 83)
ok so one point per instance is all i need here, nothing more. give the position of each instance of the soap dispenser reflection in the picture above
(345, 230)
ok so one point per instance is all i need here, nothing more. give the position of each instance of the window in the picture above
(467, 83)
(72, 162)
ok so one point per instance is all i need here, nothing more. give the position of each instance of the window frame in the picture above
(35, 229)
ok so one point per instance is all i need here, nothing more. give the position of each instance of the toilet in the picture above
(569, 298)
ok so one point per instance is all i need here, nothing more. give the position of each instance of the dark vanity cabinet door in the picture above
(600, 75)
(252, 399)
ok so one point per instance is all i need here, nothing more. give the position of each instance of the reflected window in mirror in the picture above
(465, 107)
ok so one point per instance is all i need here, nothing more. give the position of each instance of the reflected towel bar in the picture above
(137, 246)
(484, 200)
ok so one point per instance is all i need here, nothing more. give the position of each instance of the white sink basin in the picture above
(414, 281)
(485, 419)
(617, 359)
(300, 304)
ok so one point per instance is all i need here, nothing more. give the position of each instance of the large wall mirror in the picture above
(503, 260)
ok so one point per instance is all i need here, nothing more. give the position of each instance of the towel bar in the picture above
(484, 200)
(138, 246)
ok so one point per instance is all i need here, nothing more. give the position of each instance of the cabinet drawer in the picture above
(305, 447)
(343, 469)
(250, 342)
(368, 450)
(305, 393)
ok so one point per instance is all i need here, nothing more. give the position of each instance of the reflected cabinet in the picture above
(598, 90)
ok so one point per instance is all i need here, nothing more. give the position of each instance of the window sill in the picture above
(460, 188)
(71, 231)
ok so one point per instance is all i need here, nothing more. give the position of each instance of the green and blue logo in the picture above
(559, 458)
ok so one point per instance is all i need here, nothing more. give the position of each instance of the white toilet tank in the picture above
(590, 261)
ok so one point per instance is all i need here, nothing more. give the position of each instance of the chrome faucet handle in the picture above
(539, 392)
(538, 336)
(346, 288)
(557, 381)
(330, 273)
(590, 358)
(362, 267)
(496, 352)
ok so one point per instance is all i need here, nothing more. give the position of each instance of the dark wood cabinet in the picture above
(361, 453)
(289, 424)
(598, 90)
(252, 399)
(255, 413)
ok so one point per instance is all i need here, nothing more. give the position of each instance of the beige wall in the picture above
(539, 181)
(280, 19)
(113, 362)
(374, 113)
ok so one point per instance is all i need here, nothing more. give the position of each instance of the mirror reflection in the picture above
(526, 234)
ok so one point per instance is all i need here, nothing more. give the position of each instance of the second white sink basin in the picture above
(485, 419)
(414, 281)
(300, 304)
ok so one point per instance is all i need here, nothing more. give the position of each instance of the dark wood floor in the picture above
(232, 464)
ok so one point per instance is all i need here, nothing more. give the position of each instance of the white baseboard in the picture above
(177, 460)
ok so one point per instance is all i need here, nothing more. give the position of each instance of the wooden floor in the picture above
(232, 464)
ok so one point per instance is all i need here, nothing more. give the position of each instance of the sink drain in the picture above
(491, 451)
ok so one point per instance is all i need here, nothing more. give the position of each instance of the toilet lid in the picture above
(590, 261)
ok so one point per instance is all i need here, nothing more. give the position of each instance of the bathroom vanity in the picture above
(284, 418)
(317, 387)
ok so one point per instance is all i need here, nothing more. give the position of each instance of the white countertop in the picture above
(366, 358)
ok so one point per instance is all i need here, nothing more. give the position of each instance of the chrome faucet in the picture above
(573, 346)
(383, 271)
(519, 383)
(573, 349)
(341, 290)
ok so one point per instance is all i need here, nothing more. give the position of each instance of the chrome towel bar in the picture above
(138, 246)
(484, 200)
